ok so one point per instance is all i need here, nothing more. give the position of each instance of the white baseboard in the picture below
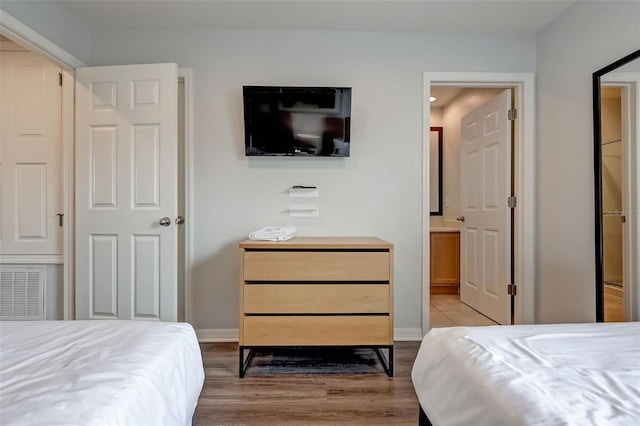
(210, 335)
(407, 334)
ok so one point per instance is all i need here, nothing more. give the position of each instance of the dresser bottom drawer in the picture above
(309, 330)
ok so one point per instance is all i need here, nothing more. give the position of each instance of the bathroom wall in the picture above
(465, 102)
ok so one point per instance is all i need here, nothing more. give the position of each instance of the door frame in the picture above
(630, 88)
(523, 85)
(26, 37)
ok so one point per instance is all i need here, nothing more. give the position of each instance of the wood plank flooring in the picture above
(320, 399)
(326, 399)
(298, 399)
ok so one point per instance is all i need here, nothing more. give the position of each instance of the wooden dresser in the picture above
(316, 291)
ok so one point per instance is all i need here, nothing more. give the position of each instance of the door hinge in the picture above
(512, 201)
(60, 78)
(511, 289)
(60, 216)
(512, 114)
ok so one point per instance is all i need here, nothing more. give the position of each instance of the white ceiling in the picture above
(522, 16)
(444, 95)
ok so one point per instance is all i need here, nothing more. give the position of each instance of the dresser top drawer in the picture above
(306, 265)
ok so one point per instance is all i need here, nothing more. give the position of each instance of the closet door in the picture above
(126, 192)
(30, 156)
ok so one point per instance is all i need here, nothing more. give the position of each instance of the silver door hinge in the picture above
(512, 114)
(511, 289)
(512, 201)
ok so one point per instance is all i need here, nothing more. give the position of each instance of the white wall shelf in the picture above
(304, 192)
(304, 212)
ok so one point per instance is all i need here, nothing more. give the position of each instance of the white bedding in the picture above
(98, 373)
(569, 374)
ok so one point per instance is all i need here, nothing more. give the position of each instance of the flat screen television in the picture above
(297, 121)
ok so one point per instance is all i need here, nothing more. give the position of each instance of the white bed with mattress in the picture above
(568, 374)
(98, 373)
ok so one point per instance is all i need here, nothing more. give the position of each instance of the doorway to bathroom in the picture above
(458, 95)
(470, 230)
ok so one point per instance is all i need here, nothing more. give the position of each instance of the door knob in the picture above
(179, 220)
(165, 221)
(460, 218)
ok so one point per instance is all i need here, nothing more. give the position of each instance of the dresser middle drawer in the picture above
(316, 298)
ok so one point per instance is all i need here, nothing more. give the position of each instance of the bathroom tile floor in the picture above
(448, 311)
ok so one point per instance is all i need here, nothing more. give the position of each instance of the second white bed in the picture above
(568, 374)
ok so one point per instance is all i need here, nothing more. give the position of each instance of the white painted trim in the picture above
(209, 335)
(31, 259)
(68, 193)
(11, 28)
(407, 335)
(524, 244)
(186, 75)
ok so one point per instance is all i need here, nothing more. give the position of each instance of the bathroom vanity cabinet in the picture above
(445, 261)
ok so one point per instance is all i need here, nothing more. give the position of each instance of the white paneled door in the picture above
(485, 181)
(30, 155)
(126, 192)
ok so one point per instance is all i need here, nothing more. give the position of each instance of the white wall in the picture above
(585, 38)
(54, 293)
(375, 192)
(53, 23)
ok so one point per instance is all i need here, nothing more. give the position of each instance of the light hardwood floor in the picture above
(321, 399)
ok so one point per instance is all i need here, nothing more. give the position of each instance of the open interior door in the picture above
(485, 244)
(126, 192)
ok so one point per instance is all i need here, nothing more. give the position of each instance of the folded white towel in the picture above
(273, 233)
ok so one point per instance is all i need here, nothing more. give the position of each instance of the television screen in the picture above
(297, 121)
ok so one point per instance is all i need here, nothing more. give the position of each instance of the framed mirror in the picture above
(435, 168)
(616, 108)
